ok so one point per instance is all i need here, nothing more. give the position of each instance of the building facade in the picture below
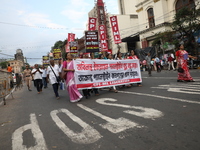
(127, 7)
(155, 17)
(16, 65)
(19, 56)
(126, 23)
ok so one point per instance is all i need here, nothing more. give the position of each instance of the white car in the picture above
(14, 78)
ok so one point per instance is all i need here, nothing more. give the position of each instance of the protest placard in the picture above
(95, 73)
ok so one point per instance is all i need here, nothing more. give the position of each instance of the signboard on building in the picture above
(92, 42)
(92, 24)
(115, 29)
(103, 38)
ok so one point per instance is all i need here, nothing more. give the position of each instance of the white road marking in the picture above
(17, 138)
(193, 88)
(86, 136)
(113, 125)
(148, 113)
(184, 90)
(162, 97)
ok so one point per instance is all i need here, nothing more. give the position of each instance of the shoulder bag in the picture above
(57, 77)
(180, 70)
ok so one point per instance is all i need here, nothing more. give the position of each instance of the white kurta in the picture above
(52, 77)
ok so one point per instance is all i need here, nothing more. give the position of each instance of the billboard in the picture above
(92, 42)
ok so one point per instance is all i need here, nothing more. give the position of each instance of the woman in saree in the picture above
(68, 67)
(181, 59)
(133, 56)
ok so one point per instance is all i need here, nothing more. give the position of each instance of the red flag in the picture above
(92, 24)
(115, 29)
(102, 35)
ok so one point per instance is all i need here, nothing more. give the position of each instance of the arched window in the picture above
(184, 3)
(151, 17)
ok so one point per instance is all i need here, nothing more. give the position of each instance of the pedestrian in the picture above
(95, 90)
(157, 60)
(148, 63)
(28, 77)
(170, 62)
(110, 57)
(68, 66)
(37, 72)
(133, 56)
(119, 57)
(44, 76)
(60, 65)
(9, 68)
(181, 59)
(53, 76)
(86, 92)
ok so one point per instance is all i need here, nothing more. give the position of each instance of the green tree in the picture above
(186, 23)
(163, 39)
(4, 64)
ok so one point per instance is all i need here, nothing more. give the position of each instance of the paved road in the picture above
(160, 115)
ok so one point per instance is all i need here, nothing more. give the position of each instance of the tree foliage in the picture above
(4, 64)
(60, 45)
(186, 23)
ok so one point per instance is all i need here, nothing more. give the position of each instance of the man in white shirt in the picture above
(53, 72)
(44, 76)
(37, 72)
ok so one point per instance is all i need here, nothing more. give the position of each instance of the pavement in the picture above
(161, 115)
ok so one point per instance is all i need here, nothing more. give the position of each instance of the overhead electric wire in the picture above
(13, 56)
(31, 26)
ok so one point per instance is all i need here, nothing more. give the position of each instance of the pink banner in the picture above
(115, 29)
(103, 38)
(92, 24)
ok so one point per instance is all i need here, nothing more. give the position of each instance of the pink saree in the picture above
(73, 92)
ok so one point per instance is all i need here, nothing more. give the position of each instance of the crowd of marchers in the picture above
(54, 74)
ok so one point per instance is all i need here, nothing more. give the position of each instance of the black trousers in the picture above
(39, 85)
(85, 92)
(158, 67)
(55, 89)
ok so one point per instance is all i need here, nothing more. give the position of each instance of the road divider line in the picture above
(162, 97)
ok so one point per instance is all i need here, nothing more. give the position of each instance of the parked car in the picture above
(14, 78)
